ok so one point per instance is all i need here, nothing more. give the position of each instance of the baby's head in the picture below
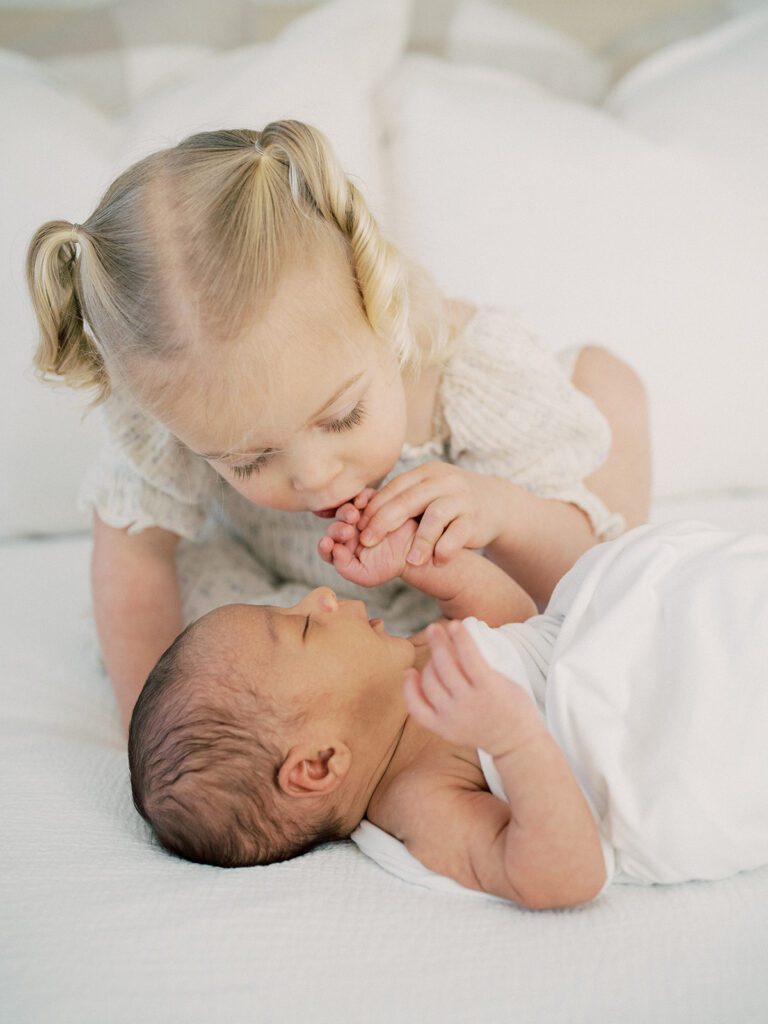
(262, 732)
(239, 288)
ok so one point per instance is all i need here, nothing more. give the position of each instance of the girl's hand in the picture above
(461, 698)
(368, 567)
(458, 509)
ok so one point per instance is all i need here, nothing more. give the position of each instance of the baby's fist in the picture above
(367, 567)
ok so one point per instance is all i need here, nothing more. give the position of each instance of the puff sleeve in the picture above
(510, 409)
(143, 477)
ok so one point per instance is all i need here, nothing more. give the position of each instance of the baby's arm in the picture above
(467, 585)
(543, 850)
(136, 604)
(470, 584)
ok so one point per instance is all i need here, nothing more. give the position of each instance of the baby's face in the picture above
(322, 651)
(309, 409)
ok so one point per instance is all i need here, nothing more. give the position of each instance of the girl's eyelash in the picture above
(352, 419)
(243, 472)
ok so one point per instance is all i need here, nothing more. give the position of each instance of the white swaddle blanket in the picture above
(657, 692)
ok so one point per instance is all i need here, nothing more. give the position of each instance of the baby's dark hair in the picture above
(204, 751)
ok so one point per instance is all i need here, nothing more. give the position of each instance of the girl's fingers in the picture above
(453, 540)
(408, 504)
(362, 499)
(395, 486)
(437, 516)
(416, 477)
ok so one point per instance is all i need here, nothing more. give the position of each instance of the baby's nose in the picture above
(326, 599)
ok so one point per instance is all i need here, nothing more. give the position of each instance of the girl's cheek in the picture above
(272, 492)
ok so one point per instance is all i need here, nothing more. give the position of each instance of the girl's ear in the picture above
(307, 771)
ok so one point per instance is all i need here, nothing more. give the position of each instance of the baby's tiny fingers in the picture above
(342, 557)
(417, 703)
(470, 658)
(341, 532)
(445, 661)
(433, 682)
(348, 513)
(325, 548)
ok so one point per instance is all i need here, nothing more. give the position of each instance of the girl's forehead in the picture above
(266, 389)
(308, 337)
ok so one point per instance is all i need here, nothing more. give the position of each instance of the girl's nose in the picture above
(315, 471)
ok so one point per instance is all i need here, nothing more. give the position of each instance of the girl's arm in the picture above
(136, 604)
(539, 540)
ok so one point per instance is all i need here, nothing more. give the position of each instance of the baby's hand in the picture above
(461, 698)
(368, 567)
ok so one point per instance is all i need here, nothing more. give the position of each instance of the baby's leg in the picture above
(624, 479)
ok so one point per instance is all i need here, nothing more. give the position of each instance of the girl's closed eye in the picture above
(352, 419)
(243, 472)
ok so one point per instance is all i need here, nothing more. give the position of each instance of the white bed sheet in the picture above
(101, 926)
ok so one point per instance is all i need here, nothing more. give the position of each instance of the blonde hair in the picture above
(186, 243)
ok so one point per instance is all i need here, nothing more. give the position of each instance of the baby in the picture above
(620, 735)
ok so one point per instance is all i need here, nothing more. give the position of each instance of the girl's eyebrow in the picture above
(220, 456)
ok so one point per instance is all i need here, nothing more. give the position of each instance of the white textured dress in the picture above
(505, 405)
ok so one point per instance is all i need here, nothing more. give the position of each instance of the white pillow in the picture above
(113, 80)
(59, 154)
(497, 35)
(708, 94)
(596, 235)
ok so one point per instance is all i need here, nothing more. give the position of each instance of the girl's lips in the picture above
(329, 513)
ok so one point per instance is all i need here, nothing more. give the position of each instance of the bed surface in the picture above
(101, 925)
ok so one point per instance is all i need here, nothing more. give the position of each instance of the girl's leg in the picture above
(624, 479)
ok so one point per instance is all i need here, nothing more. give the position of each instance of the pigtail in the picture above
(399, 298)
(65, 353)
(186, 247)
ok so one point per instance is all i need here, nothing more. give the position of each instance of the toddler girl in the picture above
(262, 355)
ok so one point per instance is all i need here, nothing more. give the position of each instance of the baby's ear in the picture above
(307, 771)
